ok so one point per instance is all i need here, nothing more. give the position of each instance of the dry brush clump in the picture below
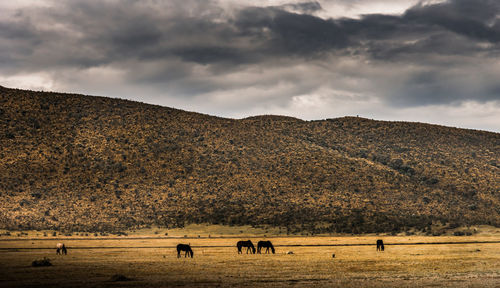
(80, 163)
(41, 262)
(119, 278)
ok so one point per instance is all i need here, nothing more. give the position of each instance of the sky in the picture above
(406, 60)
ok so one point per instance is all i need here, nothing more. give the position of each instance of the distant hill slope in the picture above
(77, 162)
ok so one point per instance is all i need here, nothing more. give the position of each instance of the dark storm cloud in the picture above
(133, 36)
(286, 33)
(468, 18)
(306, 34)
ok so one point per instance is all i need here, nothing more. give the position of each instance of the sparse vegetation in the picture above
(94, 164)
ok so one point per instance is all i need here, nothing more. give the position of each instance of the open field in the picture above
(152, 262)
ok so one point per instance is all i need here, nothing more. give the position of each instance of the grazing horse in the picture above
(61, 249)
(184, 247)
(247, 244)
(380, 245)
(265, 244)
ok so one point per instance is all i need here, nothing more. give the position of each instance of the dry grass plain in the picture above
(150, 261)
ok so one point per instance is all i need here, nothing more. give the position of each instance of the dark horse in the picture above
(265, 244)
(247, 244)
(184, 247)
(61, 249)
(380, 245)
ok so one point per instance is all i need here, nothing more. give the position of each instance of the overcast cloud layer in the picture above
(431, 61)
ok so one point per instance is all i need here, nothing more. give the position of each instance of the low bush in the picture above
(41, 263)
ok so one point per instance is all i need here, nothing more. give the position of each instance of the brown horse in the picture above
(186, 248)
(247, 244)
(265, 244)
(61, 249)
(380, 245)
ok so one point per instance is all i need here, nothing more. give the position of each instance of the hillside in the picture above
(75, 162)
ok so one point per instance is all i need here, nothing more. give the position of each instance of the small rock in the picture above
(119, 277)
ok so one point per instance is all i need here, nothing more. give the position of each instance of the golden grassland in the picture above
(481, 232)
(150, 261)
